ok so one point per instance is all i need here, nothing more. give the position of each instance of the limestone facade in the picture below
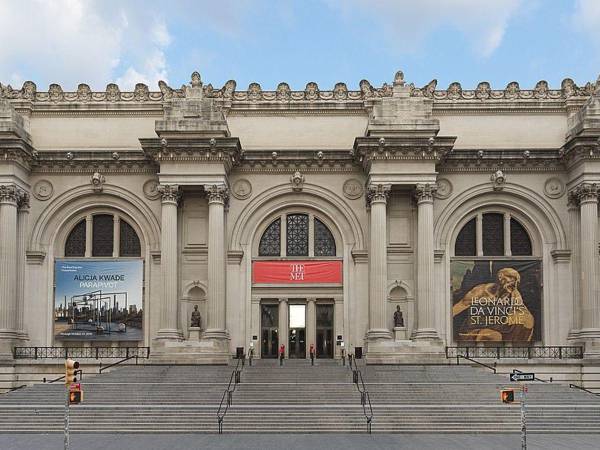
(394, 173)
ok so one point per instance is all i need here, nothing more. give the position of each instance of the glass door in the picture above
(269, 330)
(324, 331)
(297, 334)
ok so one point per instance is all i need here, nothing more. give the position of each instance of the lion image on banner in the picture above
(494, 311)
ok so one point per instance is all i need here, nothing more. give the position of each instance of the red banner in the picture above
(296, 272)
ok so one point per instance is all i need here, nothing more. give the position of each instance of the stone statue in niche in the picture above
(196, 318)
(398, 319)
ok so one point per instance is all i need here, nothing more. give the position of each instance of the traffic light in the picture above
(75, 394)
(71, 371)
(507, 395)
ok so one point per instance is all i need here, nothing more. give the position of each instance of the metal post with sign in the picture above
(522, 376)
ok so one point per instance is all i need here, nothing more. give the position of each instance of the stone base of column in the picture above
(378, 334)
(426, 334)
(590, 338)
(406, 352)
(169, 334)
(9, 339)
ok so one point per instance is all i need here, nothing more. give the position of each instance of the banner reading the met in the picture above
(98, 300)
(496, 300)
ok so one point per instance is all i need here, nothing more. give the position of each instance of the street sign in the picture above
(522, 376)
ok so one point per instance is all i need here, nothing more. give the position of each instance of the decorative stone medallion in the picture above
(353, 189)
(42, 190)
(151, 190)
(444, 189)
(242, 189)
(554, 188)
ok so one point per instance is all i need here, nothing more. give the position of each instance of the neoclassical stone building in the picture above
(303, 218)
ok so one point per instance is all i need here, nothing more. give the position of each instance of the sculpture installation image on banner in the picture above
(496, 300)
(98, 300)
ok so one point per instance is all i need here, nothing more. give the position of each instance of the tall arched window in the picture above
(304, 236)
(493, 234)
(109, 236)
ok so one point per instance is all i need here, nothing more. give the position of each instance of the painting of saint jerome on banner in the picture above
(495, 300)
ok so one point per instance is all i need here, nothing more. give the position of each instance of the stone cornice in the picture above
(517, 160)
(512, 97)
(86, 161)
(223, 150)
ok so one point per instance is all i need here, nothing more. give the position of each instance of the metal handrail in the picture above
(524, 352)
(235, 379)
(80, 372)
(581, 388)
(102, 369)
(487, 366)
(365, 398)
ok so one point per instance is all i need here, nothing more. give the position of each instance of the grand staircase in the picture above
(298, 398)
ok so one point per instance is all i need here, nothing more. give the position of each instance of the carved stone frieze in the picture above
(169, 193)
(242, 189)
(554, 188)
(444, 189)
(150, 190)
(424, 192)
(353, 189)
(43, 190)
(98, 181)
(378, 193)
(297, 181)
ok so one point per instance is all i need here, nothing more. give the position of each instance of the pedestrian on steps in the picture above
(281, 354)
(311, 352)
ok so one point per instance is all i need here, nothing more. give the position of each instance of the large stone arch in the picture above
(312, 197)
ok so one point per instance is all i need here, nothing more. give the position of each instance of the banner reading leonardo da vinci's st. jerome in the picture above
(496, 300)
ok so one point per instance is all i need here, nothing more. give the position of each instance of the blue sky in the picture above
(101, 41)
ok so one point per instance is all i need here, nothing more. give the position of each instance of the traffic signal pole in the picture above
(67, 393)
(523, 422)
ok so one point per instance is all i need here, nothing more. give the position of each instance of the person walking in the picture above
(281, 354)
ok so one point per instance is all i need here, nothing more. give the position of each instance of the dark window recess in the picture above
(297, 235)
(270, 242)
(129, 242)
(493, 234)
(520, 244)
(102, 235)
(466, 240)
(324, 242)
(75, 245)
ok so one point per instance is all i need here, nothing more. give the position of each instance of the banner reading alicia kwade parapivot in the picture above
(496, 300)
(98, 300)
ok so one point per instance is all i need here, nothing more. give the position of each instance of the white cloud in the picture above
(586, 18)
(483, 22)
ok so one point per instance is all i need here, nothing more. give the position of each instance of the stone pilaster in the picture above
(575, 244)
(22, 230)
(283, 327)
(311, 325)
(170, 195)
(590, 312)
(425, 276)
(9, 197)
(217, 199)
(377, 197)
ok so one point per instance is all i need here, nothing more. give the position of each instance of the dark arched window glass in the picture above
(75, 245)
(493, 234)
(297, 235)
(520, 244)
(466, 240)
(102, 235)
(270, 242)
(324, 241)
(129, 242)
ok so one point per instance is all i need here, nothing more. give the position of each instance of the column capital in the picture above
(217, 193)
(23, 201)
(169, 193)
(378, 193)
(9, 193)
(587, 192)
(573, 199)
(424, 192)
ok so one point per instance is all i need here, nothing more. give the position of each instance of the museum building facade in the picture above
(392, 221)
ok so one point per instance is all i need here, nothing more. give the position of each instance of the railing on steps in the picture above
(487, 366)
(365, 399)
(79, 352)
(77, 372)
(529, 352)
(235, 378)
(581, 388)
(102, 369)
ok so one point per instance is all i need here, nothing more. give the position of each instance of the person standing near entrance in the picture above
(281, 354)
(311, 352)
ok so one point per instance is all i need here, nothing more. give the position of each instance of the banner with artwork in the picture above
(98, 300)
(496, 300)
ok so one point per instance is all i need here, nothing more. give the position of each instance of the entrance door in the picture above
(324, 331)
(269, 330)
(297, 334)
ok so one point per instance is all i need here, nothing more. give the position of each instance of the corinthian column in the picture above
(217, 197)
(425, 282)
(575, 244)
(9, 196)
(588, 201)
(22, 228)
(377, 197)
(168, 262)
